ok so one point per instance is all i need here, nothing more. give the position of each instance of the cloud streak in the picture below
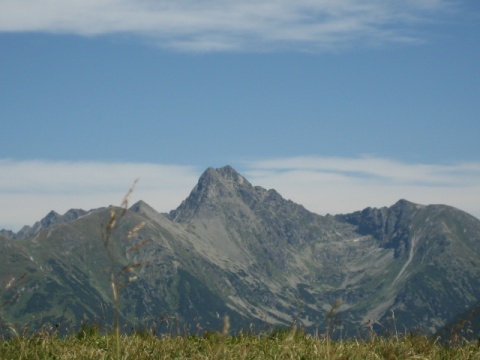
(30, 189)
(340, 185)
(225, 25)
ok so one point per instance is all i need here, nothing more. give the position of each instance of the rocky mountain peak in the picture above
(226, 176)
(218, 184)
(214, 187)
(389, 225)
(403, 205)
(50, 219)
(142, 208)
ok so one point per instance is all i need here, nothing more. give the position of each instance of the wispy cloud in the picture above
(340, 185)
(219, 25)
(30, 189)
(378, 169)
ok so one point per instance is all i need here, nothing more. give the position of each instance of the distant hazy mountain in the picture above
(235, 249)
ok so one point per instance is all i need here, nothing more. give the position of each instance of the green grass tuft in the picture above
(292, 344)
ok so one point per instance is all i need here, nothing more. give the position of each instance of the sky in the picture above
(337, 104)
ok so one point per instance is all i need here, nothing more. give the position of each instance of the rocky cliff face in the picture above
(235, 249)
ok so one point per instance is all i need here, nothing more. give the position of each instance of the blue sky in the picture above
(338, 105)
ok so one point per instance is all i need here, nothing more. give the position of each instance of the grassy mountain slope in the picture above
(235, 249)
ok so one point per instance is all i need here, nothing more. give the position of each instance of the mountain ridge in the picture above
(238, 249)
(208, 176)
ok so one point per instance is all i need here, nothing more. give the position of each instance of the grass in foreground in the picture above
(278, 345)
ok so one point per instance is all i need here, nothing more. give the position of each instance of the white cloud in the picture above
(30, 189)
(218, 25)
(341, 185)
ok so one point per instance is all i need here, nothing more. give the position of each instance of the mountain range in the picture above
(238, 250)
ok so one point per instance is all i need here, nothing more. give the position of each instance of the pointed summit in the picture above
(225, 175)
(404, 205)
(214, 187)
(50, 219)
(225, 193)
(142, 208)
(219, 183)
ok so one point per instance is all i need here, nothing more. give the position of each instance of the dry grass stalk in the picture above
(108, 230)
